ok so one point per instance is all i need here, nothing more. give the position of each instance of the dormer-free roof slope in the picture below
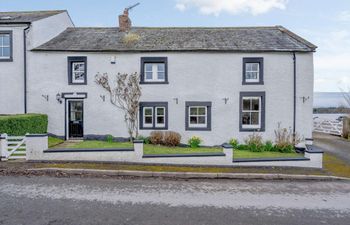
(26, 16)
(153, 39)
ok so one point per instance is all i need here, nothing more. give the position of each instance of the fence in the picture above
(12, 147)
(328, 126)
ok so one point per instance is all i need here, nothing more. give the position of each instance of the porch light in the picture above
(59, 98)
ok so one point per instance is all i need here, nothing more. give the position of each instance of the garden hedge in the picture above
(19, 125)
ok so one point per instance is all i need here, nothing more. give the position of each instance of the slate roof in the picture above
(245, 39)
(26, 17)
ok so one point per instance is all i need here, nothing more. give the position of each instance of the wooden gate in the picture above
(13, 147)
(328, 126)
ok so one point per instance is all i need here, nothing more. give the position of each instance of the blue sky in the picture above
(325, 23)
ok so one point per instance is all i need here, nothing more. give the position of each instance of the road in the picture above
(57, 201)
(333, 144)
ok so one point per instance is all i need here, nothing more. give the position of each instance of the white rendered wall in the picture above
(11, 74)
(192, 77)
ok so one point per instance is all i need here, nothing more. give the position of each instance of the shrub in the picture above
(19, 125)
(171, 138)
(109, 138)
(233, 142)
(254, 138)
(194, 141)
(156, 137)
(242, 147)
(269, 146)
(285, 139)
(145, 140)
(286, 149)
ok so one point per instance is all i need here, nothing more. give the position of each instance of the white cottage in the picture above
(217, 83)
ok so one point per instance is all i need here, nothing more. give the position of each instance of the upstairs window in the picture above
(154, 70)
(253, 71)
(153, 115)
(5, 45)
(77, 70)
(252, 111)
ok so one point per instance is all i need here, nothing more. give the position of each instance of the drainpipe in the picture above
(25, 66)
(295, 91)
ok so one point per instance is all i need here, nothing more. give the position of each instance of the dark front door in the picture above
(75, 119)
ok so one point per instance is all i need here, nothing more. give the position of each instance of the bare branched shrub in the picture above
(171, 138)
(284, 137)
(131, 38)
(125, 93)
(156, 137)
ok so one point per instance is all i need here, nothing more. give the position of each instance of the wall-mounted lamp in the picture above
(305, 98)
(226, 100)
(176, 100)
(113, 59)
(103, 97)
(46, 97)
(59, 98)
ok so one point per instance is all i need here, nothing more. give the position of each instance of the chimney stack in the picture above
(124, 21)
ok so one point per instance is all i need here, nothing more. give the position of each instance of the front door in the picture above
(75, 119)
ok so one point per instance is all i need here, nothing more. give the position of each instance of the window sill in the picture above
(77, 83)
(241, 129)
(6, 60)
(253, 83)
(153, 128)
(198, 128)
(153, 82)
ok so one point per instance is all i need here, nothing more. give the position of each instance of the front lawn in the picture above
(54, 141)
(149, 149)
(95, 144)
(237, 154)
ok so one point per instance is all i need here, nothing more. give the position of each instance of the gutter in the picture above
(25, 66)
(294, 91)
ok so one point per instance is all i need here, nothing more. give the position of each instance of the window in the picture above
(253, 71)
(252, 111)
(198, 116)
(153, 115)
(77, 70)
(154, 70)
(5, 45)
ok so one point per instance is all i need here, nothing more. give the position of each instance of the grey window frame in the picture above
(262, 95)
(9, 32)
(194, 104)
(154, 60)
(153, 105)
(260, 61)
(75, 59)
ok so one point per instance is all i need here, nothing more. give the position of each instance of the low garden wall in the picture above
(37, 150)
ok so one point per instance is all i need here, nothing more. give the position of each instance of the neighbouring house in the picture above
(213, 82)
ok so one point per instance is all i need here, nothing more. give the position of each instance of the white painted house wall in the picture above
(192, 77)
(12, 73)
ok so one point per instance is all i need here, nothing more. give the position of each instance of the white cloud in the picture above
(215, 7)
(344, 16)
(332, 67)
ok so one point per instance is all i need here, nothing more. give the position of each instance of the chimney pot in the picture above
(124, 21)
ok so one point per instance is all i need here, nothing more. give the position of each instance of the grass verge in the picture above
(335, 166)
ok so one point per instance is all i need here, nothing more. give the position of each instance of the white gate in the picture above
(13, 147)
(328, 126)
